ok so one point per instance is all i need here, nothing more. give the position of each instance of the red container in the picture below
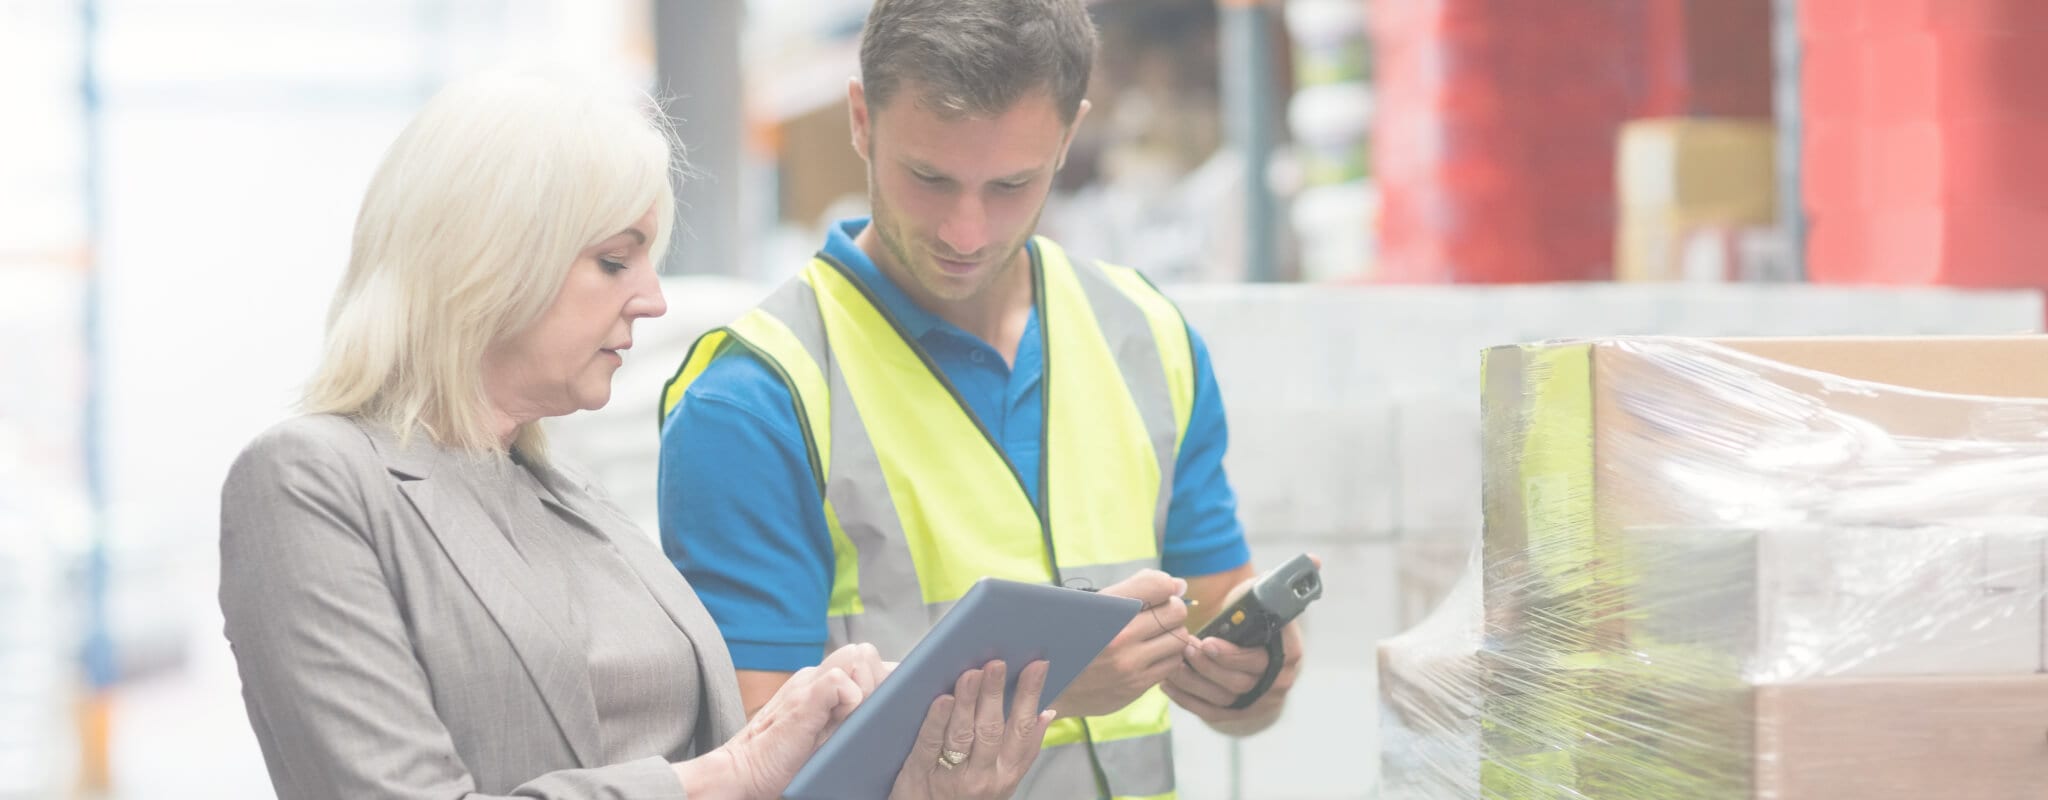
(1923, 150)
(1980, 246)
(1497, 120)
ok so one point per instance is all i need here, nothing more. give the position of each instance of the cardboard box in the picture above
(1698, 164)
(1678, 177)
(1794, 604)
(1429, 717)
(1955, 738)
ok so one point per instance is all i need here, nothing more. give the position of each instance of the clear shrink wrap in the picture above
(1773, 569)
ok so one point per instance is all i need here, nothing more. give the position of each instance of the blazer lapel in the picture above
(434, 481)
(726, 711)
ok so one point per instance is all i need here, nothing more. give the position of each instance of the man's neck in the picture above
(996, 315)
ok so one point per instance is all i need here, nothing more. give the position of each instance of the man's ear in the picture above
(1080, 113)
(857, 115)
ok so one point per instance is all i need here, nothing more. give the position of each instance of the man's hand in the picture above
(1141, 655)
(1217, 672)
(1214, 673)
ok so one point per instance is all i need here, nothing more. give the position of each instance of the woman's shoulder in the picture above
(329, 433)
(327, 442)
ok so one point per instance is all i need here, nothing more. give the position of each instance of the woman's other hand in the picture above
(966, 749)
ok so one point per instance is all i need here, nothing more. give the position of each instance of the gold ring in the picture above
(951, 758)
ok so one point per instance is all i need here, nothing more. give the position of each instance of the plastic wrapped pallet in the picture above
(1773, 569)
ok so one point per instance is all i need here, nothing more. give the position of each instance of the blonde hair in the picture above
(466, 234)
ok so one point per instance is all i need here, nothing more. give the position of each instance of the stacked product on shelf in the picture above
(1493, 138)
(1922, 162)
(1780, 569)
(1330, 115)
(1496, 123)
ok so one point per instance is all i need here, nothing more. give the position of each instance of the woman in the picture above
(423, 604)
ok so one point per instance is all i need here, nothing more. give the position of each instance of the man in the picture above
(939, 396)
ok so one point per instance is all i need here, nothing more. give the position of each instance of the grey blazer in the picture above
(388, 645)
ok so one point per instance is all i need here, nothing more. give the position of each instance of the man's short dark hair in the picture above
(978, 57)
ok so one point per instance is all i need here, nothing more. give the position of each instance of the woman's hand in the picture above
(966, 749)
(764, 756)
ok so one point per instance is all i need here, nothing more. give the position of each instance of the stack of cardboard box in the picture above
(1778, 569)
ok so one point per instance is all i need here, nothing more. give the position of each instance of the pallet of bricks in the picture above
(1797, 569)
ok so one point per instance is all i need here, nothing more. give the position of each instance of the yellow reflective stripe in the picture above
(1167, 796)
(1065, 730)
(1102, 470)
(1171, 332)
(1145, 716)
(941, 474)
(773, 339)
(845, 569)
(701, 354)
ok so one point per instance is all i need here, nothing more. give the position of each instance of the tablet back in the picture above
(1016, 622)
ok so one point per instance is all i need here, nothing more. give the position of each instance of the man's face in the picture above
(956, 197)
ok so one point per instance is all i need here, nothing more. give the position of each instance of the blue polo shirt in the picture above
(742, 518)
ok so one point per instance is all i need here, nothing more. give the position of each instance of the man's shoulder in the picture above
(1130, 281)
(737, 375)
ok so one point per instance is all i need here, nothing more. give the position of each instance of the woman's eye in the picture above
(612, 265)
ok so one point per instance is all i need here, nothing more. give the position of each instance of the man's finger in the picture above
(1230, 656)
(1190, 681)
(1170, 615)
(1201, 708)
(1231, 679)
(1149, 585)
(1162, 649)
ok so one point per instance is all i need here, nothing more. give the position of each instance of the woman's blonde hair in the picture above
(468, 231)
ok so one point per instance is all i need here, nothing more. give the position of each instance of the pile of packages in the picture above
(1774, 569)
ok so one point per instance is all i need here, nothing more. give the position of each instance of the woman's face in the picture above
(564, 362)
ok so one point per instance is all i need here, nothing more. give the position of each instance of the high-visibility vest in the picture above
(908, 473)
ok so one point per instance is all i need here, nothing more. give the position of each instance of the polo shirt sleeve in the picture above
(1203, 534)
(741, 516)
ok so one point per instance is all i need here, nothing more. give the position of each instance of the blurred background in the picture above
(1350, 198)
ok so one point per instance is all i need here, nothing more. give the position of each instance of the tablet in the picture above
(1016, 622)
